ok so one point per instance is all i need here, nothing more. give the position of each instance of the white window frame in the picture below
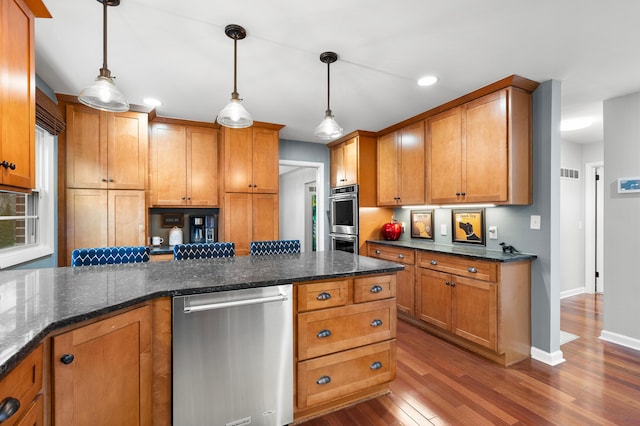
(45, 185)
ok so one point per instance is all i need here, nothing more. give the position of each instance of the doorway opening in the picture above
(594, 238)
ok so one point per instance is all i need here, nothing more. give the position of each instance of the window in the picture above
(27, 220)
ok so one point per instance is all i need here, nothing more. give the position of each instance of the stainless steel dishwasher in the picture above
(233, 358)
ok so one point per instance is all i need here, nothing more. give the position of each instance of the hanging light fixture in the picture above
(234, 114)
(103, 93)
(328, 128)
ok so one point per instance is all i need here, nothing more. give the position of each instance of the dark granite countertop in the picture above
(465, 251)
(37, 301)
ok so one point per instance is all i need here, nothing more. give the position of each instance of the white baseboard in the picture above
(572, 292)
(620, 339)
(552, 359)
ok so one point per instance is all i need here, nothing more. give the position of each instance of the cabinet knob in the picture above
(323, 333)
(377, 251)
(110, 180)
(8, 165)
(376, 323)
(324, 380)
(452, 284)
(323, 296)
(376, 289)
(457, 194)
(434, 262)
(103, 180)
(183, 198)
(447, 283)
(472, 269)
(189, 198)
(401, 256)
(376, 365)
(8, 408)
(67, 359)
(463, 193)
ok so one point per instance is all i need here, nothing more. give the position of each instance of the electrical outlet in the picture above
(493, 232)
(535, 221)
(443, 229)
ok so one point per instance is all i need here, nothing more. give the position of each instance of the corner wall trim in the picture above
(572, 292)
(619, 339)
(552, 359)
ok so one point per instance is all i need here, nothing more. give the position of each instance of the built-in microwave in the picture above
(343, 210)
(344, 242)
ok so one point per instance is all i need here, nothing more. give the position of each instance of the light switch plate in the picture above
(443, 229)
(535, 221)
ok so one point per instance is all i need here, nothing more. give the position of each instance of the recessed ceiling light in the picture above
(427, 80)
(575, 123)
(152, 102)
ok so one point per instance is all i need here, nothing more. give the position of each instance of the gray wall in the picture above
(621, 212)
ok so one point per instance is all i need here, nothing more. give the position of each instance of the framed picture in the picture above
(467, 226)
(422, 224)
(169, 220)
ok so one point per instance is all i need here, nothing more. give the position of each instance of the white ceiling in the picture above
(177, 51)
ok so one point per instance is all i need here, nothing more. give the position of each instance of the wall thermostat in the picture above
(629, 184)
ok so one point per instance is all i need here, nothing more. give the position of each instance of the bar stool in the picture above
(109, 255)
(261, 248)
(203, 250)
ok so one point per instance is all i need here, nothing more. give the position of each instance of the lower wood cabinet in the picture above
(345, 342)
(22, 388)
(102, 372)
(405, 279)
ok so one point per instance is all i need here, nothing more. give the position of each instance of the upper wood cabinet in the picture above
(106, 150)
(401, 166)
(184, 165)
(251, 158)
(249, 217)
(353, 161)
(480, 152)
(17, 93)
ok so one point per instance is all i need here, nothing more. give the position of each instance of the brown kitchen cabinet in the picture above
(18, 93)
(24, 385)
(480, 151)
(249, 217)
(101, 218)
(102, 372)
(353, 160)
(105, 150)
(401, 166)
(184, 165)
(345, 348)
(481, 305)
(405, 279)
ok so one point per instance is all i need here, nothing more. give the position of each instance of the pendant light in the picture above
(103, 93)
(328, 128)
(235, 115)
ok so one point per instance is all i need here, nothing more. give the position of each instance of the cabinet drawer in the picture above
(374, 288)
(465, 267)
(34, 415)
(336, 329)
(320, 295)
(23, 383)
(394, 254)
(329, 377)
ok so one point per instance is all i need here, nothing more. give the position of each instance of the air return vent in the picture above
(569, 173)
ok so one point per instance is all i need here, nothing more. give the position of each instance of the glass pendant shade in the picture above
(104, 95)
(235, 115)
(328, 128)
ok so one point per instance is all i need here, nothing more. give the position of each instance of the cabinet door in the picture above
(238, 151)
(126, 218)
(350, 158)
(405, 290)
(411, 169)
(202, 167)
(86, 153)
(86, 218)
(108, 382)
(444, 154)
(388, 165)
(266, 223)
(485, 168)
(127, 144)
(168, 162)
(474, 311)
(238, 218)
(434, 298)
(265, 161)
(337, 166)
(17, 94)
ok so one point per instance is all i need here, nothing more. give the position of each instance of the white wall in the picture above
(621, 213)
(292, 192)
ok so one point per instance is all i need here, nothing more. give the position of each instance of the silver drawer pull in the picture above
(472, 269)
(376, 323)
(377, 251)
(401, 256)
(323, 296)
(323, 333)
(433, 262)
(376, 365)
(376, 289)
(324, 380)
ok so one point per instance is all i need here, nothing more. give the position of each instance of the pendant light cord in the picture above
(104, 71)
(328, 112)
(235, 95)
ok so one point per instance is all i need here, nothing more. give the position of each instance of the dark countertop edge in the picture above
(498, 256)
(27, 348)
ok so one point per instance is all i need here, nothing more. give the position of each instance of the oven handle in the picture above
(344, 237)
(220, 305)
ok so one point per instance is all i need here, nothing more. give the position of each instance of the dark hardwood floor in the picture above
(440, 384)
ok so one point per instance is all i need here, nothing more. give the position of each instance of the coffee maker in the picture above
(210, 228)
(196, 228)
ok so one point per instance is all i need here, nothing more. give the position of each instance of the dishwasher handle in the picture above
(221, 305)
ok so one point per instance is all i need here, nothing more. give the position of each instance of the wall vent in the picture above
(569, 173)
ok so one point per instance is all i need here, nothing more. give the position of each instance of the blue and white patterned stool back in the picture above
(203, 250)
(109, 255)
(260, 248)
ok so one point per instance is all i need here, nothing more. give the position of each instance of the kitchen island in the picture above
(39, 303)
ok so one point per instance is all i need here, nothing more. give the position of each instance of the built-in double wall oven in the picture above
(343, 218)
